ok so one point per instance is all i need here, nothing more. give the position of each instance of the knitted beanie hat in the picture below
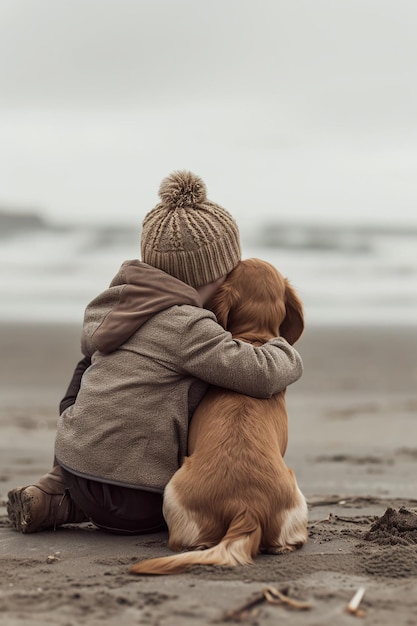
(188, 236)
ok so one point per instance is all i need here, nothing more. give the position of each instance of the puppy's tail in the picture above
(238, 547)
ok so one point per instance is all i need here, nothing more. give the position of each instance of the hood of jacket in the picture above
(136, 293)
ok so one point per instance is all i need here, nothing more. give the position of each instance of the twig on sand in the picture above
(353, 606)
(353, 520)
(274, 596)
(338, 518)
(238, 615)
(270, 595)
(56, 556)
(329, 518)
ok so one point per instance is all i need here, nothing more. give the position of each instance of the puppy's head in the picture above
(256, 298)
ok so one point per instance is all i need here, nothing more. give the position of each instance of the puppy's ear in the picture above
(293, 324)
(223, 301)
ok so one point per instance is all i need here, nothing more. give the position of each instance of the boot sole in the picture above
(19, 510)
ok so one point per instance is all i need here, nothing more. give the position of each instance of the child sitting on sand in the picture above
(154, 350)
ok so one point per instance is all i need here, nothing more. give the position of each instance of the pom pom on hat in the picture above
(182, 189)
(187, 235)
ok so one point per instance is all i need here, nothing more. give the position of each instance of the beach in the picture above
(352, 446)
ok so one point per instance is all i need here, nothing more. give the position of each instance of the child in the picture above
(154, 350)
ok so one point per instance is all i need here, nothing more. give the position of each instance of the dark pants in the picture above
(112, 508)
(115, 508)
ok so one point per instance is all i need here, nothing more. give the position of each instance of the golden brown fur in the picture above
(234, 495)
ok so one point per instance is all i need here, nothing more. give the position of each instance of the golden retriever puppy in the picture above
(234, 496)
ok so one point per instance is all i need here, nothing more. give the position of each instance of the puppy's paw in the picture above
(282, 549)
(276, 549)
(201, 546)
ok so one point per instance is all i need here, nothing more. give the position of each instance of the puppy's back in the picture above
(227, 418)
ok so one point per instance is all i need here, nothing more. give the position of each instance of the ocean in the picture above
(345, 274)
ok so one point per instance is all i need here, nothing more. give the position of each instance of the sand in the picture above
(353, 447)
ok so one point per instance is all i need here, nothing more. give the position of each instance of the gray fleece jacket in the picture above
(154, 351)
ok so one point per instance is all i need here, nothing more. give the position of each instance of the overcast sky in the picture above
(286, 108)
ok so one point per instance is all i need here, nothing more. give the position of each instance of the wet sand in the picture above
(353, 447)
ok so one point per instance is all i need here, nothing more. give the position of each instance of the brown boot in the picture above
(44, 505)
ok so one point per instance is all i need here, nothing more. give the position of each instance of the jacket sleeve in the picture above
(210, 353)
